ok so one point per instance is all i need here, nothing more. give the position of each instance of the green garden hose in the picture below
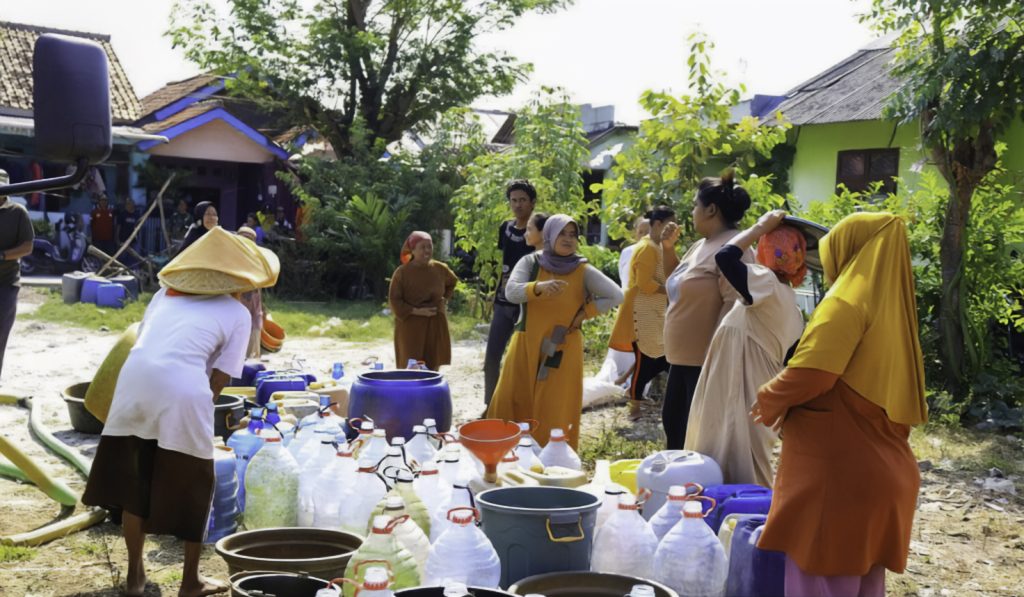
(35, 424)
(55, 488)
(56, 530)
(12, 472)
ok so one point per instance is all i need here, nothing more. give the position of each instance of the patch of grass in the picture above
(89, 316)
(613, 444)
(353, 321)
(14, 553)
(966, 449)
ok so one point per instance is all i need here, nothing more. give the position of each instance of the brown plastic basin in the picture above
(317, 552)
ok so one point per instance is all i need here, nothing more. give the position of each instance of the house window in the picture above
(859, 168)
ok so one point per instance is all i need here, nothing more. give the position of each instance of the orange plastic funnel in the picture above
(489, 440)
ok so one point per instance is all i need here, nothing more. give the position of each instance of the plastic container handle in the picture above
(700, 488)
(643, 495)
(228, 417)
(570, 539)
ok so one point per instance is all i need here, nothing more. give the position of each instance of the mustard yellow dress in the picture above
(557, 400)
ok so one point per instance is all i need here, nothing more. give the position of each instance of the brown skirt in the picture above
(172, 492)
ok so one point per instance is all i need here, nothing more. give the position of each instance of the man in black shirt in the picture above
(127, 219)
(522, 197)
(16, 236)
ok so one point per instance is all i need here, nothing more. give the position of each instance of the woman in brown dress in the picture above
(847, 482)
(419, 294)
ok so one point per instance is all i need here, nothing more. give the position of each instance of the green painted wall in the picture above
(813, 176)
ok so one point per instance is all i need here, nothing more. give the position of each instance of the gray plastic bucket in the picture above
(536, 530)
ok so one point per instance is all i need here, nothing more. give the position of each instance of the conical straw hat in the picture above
(221, 263)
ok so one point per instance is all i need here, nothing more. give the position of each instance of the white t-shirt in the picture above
(624, 258)
(163, 391)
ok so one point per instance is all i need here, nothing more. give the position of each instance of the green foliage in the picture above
(549, 150)
(357, 71)
(362, 207)
(603, 259)
(688, 138)
(42, 228)
(993, 280)
(961, 69)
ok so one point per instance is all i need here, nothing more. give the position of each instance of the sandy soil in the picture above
(966, 541)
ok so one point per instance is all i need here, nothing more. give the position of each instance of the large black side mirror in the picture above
(71, 97)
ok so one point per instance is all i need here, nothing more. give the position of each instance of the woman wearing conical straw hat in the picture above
(154, 462)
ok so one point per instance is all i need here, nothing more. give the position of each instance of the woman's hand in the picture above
(577, 321)
(550, 288)
(670, 234)
(424, 311)
(757, 414)
(771, 220)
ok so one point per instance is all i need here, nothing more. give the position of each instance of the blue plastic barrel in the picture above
(397, 400)
(89, 288)
(224, 514)
(754, 572)
(735, 499)
(111, 295)
(130, 283)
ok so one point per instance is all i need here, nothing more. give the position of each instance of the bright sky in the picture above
(602, 51)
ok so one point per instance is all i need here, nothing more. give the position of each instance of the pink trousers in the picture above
(799, 584)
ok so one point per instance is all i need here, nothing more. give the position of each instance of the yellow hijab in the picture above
(865, 329)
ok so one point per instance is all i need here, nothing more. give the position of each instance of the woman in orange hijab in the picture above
(847, 482)
(420, 290)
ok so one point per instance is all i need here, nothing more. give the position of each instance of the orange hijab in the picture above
(782, 250)
(865, 329)
(410, 243)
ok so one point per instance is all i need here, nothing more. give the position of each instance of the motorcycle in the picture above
(70, 254)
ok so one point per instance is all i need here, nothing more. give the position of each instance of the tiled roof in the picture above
(172, 92)
(856, 89)
(16, 45)
(188, 113)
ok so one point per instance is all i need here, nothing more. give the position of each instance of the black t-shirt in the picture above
(15, 229)
(126, 223)
(512, 242)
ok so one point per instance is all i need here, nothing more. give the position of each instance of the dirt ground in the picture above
(966, 540)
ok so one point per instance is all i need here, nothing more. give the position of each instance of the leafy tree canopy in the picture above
(390, 64)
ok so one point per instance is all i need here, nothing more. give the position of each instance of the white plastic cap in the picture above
(524, 427)
(429, 466)
(366, 426)
(642, 591)
(376, 579)
(462, 517)
(398, 441)
(428, 423)
(627, 501)
(381, 522)
(455, 589)
(693, 509)
(677, 492)
(419, 428)
(394, 502)
(557, 435)
(379, 433)
(526, 442)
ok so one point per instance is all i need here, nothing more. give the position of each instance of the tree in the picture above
(962, 71)
(687, 138)
(550, 149)
(356, 71)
